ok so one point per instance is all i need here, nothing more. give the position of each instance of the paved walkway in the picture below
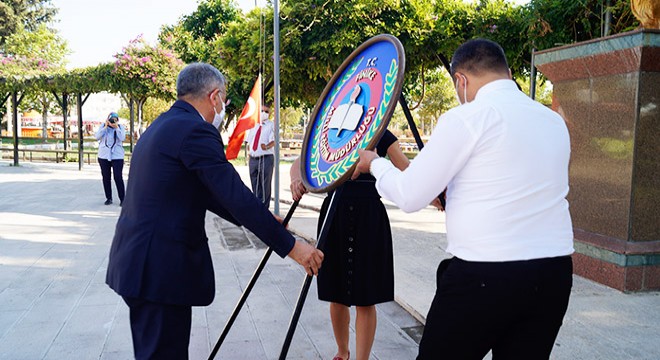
(55, 235)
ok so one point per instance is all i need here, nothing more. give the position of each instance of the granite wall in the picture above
(608, 91)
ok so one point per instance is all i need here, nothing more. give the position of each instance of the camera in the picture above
(112, 120)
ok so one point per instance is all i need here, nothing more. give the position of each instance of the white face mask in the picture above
(218, 118)
(464, 91)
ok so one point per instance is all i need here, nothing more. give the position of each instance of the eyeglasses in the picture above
(223, 95)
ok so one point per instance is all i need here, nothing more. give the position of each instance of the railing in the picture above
(59, 155)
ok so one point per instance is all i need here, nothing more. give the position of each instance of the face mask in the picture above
(464, 91)
(219, 117)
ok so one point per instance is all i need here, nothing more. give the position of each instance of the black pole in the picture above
(325, 229)
(411, 122)
(532, 77)
(65, 120)
(4, 100)
(80, 130)
(296, 316)
(248, 289)
(418, 139)
(14, 110)
(444, 62)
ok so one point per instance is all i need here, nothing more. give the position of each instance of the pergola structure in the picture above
(78, 83)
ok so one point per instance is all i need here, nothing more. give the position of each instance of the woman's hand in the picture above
(298, 189)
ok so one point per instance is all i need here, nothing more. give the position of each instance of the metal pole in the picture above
(276, 91)
(608, 17)
(65, 120)
(14, 110)
(532, 77)
(418, 139)
(80, 131)
(44, 118)
(248, 289)
(323, 235)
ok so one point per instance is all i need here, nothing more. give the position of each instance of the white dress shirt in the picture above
(267, 135)
(504, 159)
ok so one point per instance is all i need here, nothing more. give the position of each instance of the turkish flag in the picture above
(249, 118)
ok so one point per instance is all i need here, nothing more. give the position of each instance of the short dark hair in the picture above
(198, 80)
(478, 56)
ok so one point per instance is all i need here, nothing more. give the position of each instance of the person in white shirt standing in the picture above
(111, 136)
(504, 161)
(261, 144)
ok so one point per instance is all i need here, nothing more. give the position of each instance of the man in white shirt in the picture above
(261, 143)
(504, 161)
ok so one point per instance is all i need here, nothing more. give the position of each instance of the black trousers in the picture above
(513, 308)
(117, 167)
(160, 331)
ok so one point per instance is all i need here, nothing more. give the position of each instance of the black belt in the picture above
(257, 157)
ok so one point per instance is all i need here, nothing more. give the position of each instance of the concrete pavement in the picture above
(55, 235)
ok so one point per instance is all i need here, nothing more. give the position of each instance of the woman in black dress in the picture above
(358, 267)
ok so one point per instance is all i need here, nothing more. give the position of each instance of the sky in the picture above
(96, 30)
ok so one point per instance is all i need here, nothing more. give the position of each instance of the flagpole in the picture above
(276, 90)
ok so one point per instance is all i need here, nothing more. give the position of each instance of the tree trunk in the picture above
(8, 117)
(140, 112)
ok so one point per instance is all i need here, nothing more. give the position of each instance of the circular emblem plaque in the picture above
(352, 112)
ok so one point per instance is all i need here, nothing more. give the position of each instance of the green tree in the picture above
(41, 43)
(441, 97)
(29, 14)
(199, 36)
(194, 36)
(317, 35)
(152, 108)
(543, 89)
(49, 51)
(211, 18)
(503, 22)
(558, 22)
(291, 121)
(144, 71)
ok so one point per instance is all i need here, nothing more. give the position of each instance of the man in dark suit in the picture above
(160, 261)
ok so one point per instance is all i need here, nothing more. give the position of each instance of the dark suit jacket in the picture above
(178, 171)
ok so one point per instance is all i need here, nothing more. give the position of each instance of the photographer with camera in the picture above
(111, 136)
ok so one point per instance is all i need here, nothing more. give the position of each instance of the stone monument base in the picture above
(608, 92)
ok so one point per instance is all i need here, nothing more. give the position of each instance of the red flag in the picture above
(249, 118)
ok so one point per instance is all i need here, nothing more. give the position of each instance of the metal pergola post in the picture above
(14, 110)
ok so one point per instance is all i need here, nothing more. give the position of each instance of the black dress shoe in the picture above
(108, 202)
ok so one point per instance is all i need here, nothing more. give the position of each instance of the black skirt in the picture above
(358, 268)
